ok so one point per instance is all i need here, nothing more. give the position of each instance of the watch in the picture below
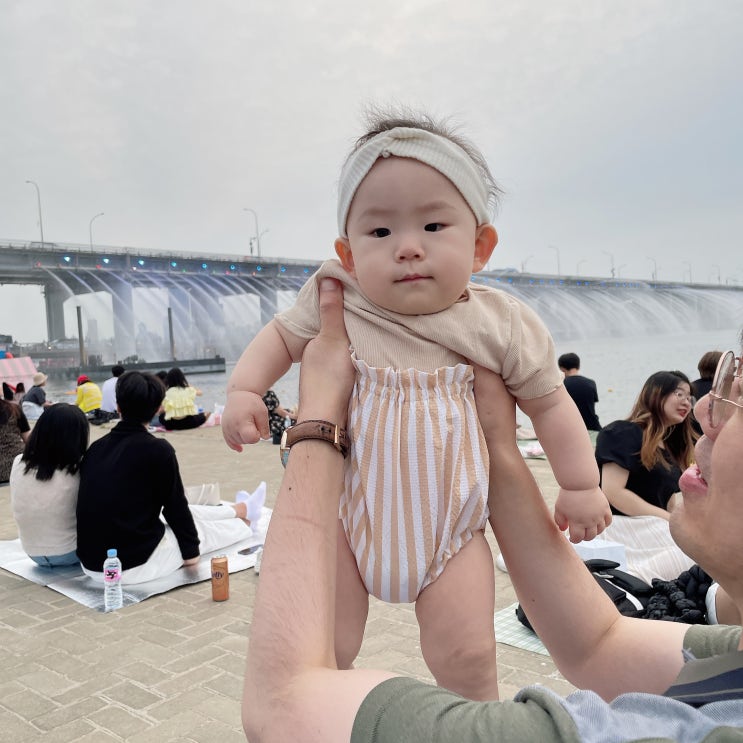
(320, 430)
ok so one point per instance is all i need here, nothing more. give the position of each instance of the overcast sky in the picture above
(614, 127)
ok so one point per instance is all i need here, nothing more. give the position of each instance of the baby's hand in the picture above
(244, 420)
(585, 512)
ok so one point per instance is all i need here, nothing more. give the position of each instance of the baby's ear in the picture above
(486, 238)
(343, 251)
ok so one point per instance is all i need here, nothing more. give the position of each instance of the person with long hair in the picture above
(641, 459)
(14, 430)
(179, 406)
(44, 484)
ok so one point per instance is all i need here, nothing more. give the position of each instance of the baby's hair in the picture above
(380, 120)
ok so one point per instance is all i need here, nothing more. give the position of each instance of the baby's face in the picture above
(413, 241)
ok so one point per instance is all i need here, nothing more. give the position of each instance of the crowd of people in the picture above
(73, 501)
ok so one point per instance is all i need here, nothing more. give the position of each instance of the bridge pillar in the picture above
(123, 312)
(179, 301)
(209, 321)
(54, 298)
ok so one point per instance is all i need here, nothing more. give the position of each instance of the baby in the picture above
(414, 221)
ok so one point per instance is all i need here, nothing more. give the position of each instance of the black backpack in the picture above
(679, 600)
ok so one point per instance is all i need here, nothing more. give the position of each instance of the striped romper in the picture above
(416, 484)
(416, 477)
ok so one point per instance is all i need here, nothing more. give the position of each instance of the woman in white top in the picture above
(43, 485)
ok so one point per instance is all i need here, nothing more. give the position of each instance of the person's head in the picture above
(117, 370)
(57, 442)
(708, 522)
(7, 391)
(708, 364)
(39, 379)
(662, 410)
(139, 396)
(414, 210)
(82, 379)
(175, 378)
(20, 387)
(569, 361)
(665, 399)
(162, 375)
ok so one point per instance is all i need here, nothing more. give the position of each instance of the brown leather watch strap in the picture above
(314, 429)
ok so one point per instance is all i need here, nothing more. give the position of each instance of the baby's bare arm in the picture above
(267, 358)
(580, 506)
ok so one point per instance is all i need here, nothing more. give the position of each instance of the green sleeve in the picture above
(402, 709)
(705, 641)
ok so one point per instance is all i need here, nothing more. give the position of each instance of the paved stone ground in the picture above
(171, 667)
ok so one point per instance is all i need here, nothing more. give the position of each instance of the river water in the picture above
(619, 365)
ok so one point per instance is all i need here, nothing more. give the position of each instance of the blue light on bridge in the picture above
(67, 259)
(204, 266)
(282, 269)
(174, 264)
(141, 261)
(107, 261)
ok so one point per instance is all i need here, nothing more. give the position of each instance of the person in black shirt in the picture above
(581, 389)
(127, 479)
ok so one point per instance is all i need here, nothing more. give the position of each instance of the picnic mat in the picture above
(73, 583)
(510, 631)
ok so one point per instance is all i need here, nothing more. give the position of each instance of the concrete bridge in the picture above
(195, 284)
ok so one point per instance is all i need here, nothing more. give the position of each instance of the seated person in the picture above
(131, 497)
(293, 690)
(179, 406)
(20, 393)
(14, 434)
(641, 459)
(89, 395)
(34, 401)
(44, 484)
(108, 391)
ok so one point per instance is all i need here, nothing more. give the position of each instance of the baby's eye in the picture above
(381, 232)
(434, 227)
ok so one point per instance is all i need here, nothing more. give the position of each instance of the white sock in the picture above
(254, 501)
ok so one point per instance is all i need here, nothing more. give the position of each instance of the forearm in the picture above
(266, 359)
(565, 440)
(590, 642)
(631, 504)
(292, 627)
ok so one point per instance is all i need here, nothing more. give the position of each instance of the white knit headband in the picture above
(432, 149)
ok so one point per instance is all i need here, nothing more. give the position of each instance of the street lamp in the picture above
(655, 267)
(90, 229)
(258, 233)
(525, 261)
(38, 200)
(686, 263)
(578, 264)
(611, 257)
(557, 251)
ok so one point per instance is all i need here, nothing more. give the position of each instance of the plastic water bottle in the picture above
(113, 597)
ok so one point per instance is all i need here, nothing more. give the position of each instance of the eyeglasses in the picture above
(683, 396)
(728, 369)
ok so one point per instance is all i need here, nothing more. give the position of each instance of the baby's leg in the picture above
(455, 614)
(351, 605)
